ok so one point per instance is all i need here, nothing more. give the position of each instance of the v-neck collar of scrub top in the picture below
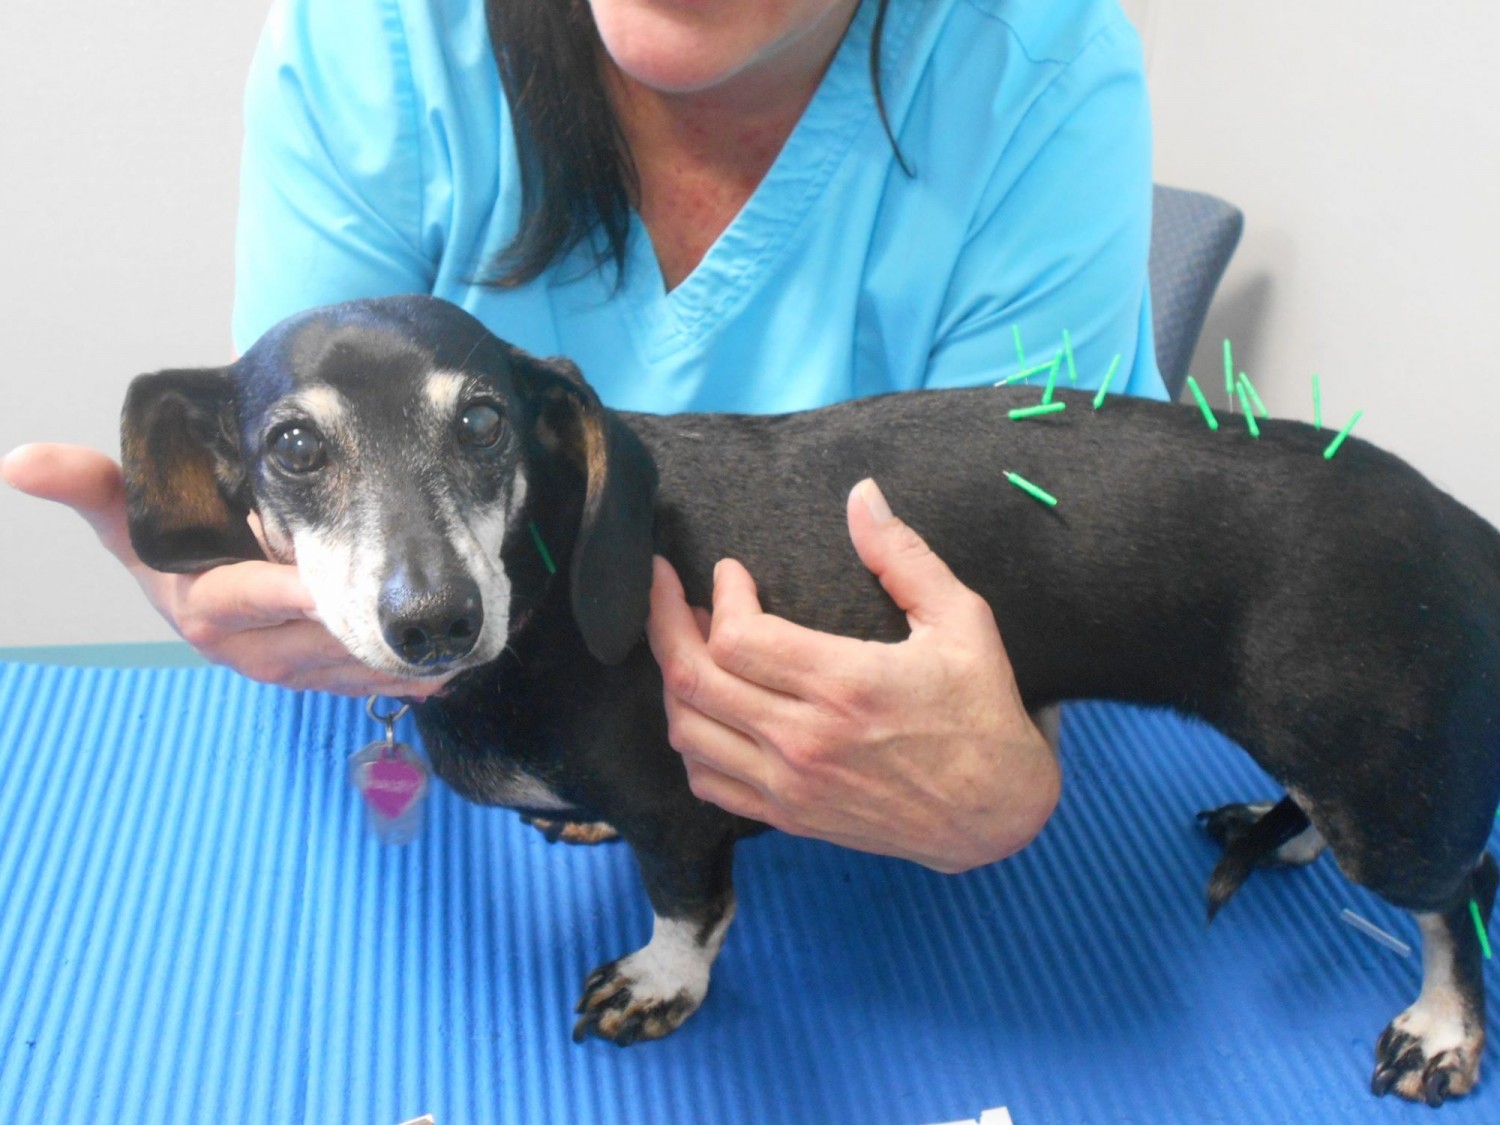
(750, 246)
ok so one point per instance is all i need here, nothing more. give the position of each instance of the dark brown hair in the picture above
(577, 176)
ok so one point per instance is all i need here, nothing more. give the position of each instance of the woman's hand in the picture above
(920, 749)
(255, 617)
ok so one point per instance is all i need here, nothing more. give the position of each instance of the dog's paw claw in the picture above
(1382, 1081)
(616, 1007)
(592, 983)
(630, 1031)
(1435, 1088)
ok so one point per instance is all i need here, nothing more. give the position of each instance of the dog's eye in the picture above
(480, 425)
(297, 449)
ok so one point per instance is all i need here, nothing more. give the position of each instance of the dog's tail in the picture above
(1243, 852)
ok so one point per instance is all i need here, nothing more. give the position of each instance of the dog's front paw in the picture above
(630, 999)
(649, 994)
(1426, 1059)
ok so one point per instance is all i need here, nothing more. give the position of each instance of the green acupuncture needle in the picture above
(1208, 414)
(541, 548)
(1015, 331)
(1033, 411)
(1229, 372)
(1104, 386)
(1031, 490)
(1484, 938)
(1317, 403)
(1024, 373)
(1068, 352)
(1249, 387)
(1051, 378)
(1333, 446)
(1249, 414)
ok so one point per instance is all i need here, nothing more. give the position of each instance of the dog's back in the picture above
(1203, 540)
(1339, 618)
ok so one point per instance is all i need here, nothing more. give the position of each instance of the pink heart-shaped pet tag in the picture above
(393, 785)
(392, 779)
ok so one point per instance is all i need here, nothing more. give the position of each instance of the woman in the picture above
(754, 205)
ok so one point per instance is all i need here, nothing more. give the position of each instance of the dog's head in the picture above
(420, 472)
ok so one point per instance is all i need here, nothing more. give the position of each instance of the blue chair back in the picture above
(1193, 236)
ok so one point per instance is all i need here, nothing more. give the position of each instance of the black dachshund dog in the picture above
(459, 506)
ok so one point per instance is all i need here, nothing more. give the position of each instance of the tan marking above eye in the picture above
(442, 390)
(322, 405)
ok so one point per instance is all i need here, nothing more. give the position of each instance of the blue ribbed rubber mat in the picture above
(195, 928)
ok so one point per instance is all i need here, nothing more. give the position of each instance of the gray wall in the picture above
(1360, 139)
(119, 153)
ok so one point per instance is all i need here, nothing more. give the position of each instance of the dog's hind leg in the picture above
(1431, 1051)
(1254, 842)
(652, 991)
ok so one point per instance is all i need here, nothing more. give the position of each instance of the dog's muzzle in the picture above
(430, 624)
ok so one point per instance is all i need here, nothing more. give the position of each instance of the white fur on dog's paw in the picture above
(650, 993)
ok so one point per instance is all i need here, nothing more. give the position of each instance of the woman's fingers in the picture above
(246, 595)
(84, 479)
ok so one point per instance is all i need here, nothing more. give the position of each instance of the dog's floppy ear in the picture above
(184, 481)
(610, 571)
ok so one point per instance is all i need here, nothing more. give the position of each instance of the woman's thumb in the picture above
(915, 578)
(84, 479)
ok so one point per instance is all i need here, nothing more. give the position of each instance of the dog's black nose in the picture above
(430, 624)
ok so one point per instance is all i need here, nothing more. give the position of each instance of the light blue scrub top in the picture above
(379, 159)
